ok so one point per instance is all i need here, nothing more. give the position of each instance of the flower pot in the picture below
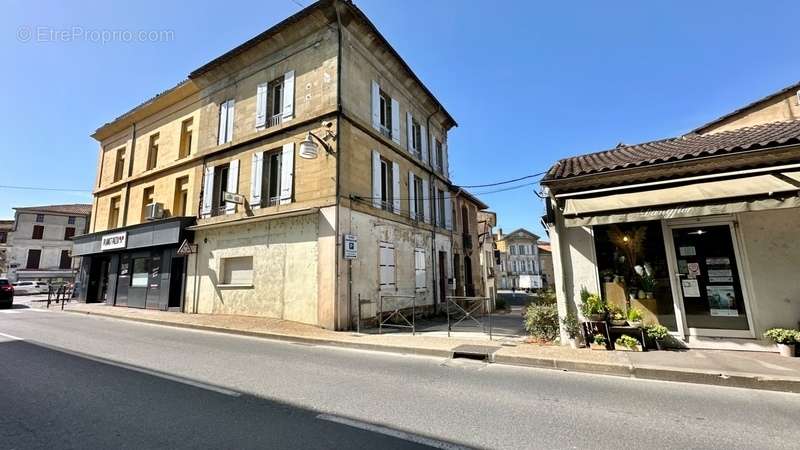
(640, 294)
(786, 349)
(622, 348)
(594, 346)
(618, 323)
(597, 317)
(635, 323)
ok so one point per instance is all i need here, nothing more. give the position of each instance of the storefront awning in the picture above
(750, 193)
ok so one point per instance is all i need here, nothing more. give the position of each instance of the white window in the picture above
(237, 271)
(226, 110)
(419, 268)
(386, 266)
(385, 113)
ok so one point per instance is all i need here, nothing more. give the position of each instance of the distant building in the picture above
(489, 267)
(39, 246)
(546, 265)
(6, 226)
(519, 260)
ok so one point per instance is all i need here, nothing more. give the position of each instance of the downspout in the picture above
(336, 308)
(432, 188)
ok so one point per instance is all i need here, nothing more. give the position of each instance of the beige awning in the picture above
(750, 193)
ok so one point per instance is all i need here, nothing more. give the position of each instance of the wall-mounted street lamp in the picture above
(309, 149)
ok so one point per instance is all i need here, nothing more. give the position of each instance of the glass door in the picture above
(709, 280)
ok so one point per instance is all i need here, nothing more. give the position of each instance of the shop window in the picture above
(633, 271)
(237, 270)
(141, 272)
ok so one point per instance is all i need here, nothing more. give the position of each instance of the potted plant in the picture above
(627, 344)
(616, 315)
(648, 283)
(785, 338)
(592, 306)
(634, 317)
(657, 333)
(598, 342)
(572, 327)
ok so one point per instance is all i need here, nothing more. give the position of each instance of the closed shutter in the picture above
(423, 151)
(432, 152)
(256, 174)
(376, 179)
(223, 122)
(419, 269)
(395, 121)
(445, 165)
(412, 197)
(208, 192)
(233, 185)
(261, 105)
(386, 266)
(426, 201)
(376, 105)
(229, 126)
(410, 132)
(288, 95)
(396, 187)
(436, 206)
(287, 173)
(448, 211)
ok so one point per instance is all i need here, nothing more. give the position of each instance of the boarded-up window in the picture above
(237, 270)
(419, 269)
(386, 265)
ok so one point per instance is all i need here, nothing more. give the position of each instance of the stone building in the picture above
(519, 260)
(546, 265)
(40, 246)
(266, 159)
(6, 227)
(488, 256)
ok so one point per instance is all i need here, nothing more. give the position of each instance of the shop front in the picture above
(138, 266)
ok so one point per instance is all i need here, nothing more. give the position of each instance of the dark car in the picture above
(6, 293)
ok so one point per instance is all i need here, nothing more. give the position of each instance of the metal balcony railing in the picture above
(274, 120)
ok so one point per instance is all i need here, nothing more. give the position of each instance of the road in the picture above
(74, 381)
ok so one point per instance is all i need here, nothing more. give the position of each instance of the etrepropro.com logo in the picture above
(99, 36)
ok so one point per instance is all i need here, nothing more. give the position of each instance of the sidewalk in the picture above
(716, 367)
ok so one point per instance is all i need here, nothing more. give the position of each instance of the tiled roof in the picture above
(678, 149)
(77, 209)
(545, 247)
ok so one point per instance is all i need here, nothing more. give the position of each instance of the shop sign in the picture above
(350, 246)
(114, 241)
(186, 248)
(232, 197)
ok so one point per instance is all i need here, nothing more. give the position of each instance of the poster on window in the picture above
(691, 288)
(722, 301)
(688, 251)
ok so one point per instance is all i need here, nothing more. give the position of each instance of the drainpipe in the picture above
(337, 320)
(432, 188)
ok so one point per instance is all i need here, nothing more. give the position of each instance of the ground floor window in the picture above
(633, 270)
(237, 270)
(386, 266)
(141, 272)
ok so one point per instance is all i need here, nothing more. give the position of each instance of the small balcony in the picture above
(274, 120)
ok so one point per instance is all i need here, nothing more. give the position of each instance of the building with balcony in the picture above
(264, 161)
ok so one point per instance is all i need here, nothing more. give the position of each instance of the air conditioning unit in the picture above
(154, 211)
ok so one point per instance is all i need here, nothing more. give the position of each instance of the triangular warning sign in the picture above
(185, 249)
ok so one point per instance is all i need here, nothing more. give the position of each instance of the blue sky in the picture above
(528, 82)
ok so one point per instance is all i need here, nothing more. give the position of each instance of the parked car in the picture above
(26, 288)
(42, 287)
(6, 293)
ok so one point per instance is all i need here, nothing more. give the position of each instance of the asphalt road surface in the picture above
(73, 381)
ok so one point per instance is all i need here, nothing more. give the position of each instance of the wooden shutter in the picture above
(448, 211)
(396, 187)
(231, 110)
(445, 165)
(261, 105)
(412, 198)
(426, 201)
(256, 174)
(410, 132)
(288, 95)
(395, 121)
(223, 122)
(208, 192)
(423, 151)
(232, 185)
(287, 173)
(376, 179)
(376, 105)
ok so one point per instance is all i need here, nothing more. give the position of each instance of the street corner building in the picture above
(699, 232)
(235, 191)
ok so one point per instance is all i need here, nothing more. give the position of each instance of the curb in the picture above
(619, 370)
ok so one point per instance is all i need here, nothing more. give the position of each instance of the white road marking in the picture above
(10, 311)
(13, 338)
(391, 432)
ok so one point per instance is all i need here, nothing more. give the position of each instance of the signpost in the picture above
(186, 248)
(350, 246)
(233, 198)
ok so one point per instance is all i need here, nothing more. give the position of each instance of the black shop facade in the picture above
(138, 266)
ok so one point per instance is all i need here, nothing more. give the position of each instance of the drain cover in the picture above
(479, 352)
